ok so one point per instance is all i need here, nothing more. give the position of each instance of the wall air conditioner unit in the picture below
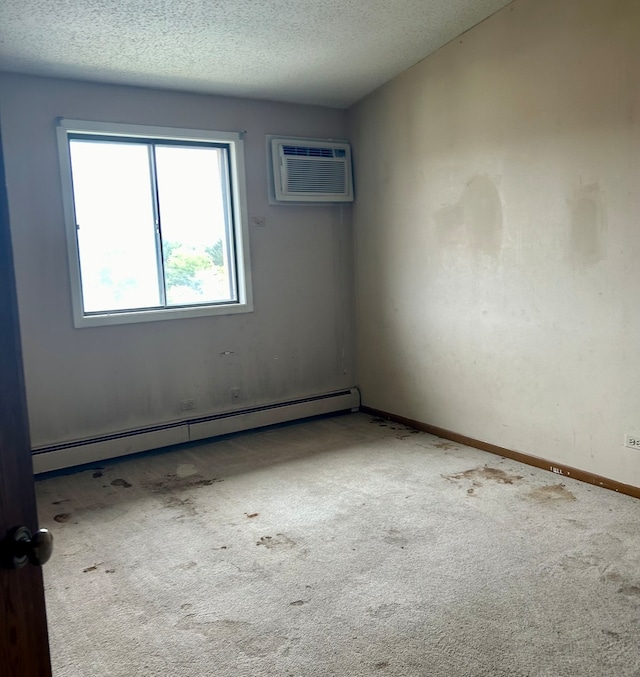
(311, 170)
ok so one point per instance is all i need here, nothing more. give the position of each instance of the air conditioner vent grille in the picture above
(305, 151)
(311, 170)
(305, 176)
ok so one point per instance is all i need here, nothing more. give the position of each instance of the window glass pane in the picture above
(192, 194)
(116, 225)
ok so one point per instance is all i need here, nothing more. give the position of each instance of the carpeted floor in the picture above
(343, 546)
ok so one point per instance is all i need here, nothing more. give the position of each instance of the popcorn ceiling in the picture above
(330, 53)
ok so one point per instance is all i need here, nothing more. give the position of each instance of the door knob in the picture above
(21, 546)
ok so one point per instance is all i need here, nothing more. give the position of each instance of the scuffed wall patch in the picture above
(475, 220)
(587, 240)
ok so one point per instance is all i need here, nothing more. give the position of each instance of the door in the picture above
(24, 648)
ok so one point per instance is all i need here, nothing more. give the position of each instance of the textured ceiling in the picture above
(329, 52)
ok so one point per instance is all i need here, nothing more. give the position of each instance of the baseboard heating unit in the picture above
(91, 450)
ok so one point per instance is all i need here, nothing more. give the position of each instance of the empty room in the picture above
(317, 347)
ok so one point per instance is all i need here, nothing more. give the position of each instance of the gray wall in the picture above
(86, 382)
(497, 234)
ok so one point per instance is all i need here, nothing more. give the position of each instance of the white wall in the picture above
(86, 382)
(497, 234)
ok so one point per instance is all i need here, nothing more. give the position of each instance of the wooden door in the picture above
(24, 648)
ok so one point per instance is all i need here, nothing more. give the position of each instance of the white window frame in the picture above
(240, 227)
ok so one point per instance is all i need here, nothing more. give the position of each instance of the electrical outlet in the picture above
(188, 405)
(632, 441)
(235, 394)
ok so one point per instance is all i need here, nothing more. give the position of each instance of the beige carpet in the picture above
(342, 546)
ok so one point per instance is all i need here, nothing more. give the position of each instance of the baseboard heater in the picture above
(91, 450)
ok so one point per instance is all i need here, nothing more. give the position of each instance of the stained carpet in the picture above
(343, 546)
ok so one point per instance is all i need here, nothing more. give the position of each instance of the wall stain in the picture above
(588, 225)
(476, 220)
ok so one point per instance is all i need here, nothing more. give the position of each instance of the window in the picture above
(156, 222)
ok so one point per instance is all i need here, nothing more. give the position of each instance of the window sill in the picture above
(155, 315)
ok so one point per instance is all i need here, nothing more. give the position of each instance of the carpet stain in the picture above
(613, 577)
(381, 665)
(298, 602)
(243, 636)
(93, 567)
(96, 474)
(445, 445)
(252, 515)
(63, 500)
(576, 523)
(101, 512)
(262, 645)
(630, 590)
(394, 537)
(62, 517)
(187, 565)
(186, 470)
(277, 541)
(403, 432)
(584, 563)
(551, 494)
(382, 422)
(385, 610)
(485, 473)
(121, 483)
(173, 482)
(185, 505)
(109, 571)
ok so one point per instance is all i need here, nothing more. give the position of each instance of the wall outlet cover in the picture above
(632, 441)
